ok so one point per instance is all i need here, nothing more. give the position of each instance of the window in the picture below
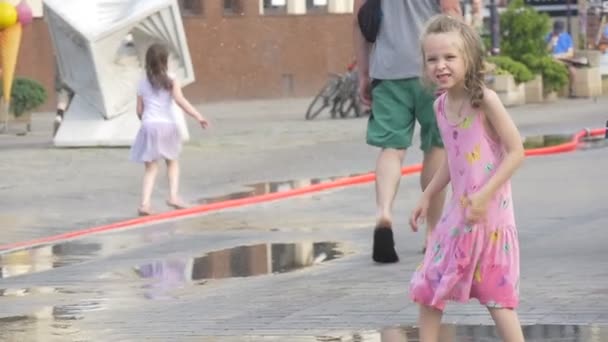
(233, 7)
(316, 6)
(191, 7)
(275, 7)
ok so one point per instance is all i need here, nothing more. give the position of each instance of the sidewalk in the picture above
(46, 191)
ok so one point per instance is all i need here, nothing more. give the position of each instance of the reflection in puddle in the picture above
(46, 257)
(242, 261)
(45, 323)
(540, 141)
(48, 323)
(259, 189)
(456, 333)
(484, 333)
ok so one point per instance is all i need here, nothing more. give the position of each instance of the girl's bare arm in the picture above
(507, 132)
(184, 104)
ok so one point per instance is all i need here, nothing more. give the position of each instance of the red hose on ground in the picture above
(342, 182)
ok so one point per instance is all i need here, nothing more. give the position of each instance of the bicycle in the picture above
(339, 94)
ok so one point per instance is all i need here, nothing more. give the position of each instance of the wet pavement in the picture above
(250, 142)
(291, 270)
(300, 270)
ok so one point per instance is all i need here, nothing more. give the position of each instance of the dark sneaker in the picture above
(384, 245)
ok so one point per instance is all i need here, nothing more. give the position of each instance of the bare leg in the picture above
(430, 324)
(151, 169)
(572, 79)
(64, 96)
(507, 324)
(173, 176)
(388, 175)
(431, 163)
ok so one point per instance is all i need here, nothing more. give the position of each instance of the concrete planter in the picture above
(510, 93)
(534, 90)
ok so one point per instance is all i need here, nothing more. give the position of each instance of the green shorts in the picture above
(396, 106)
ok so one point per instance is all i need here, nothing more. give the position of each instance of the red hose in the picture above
(342, 182)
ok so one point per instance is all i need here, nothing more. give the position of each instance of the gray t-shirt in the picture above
(396, 53)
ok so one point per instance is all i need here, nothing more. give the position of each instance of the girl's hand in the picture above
(477, 207)
(204, 123)
(419, 213)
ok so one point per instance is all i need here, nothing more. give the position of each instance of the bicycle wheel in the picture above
(347, 106)
(350, 97)
(322, 100)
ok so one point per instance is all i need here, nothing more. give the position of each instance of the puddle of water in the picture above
(484, 333)
(454, 333)
(46, 323)
(49, 321)
(47, 257)
(593, 143)
(539, 141)
(259, 189)
(241, 261)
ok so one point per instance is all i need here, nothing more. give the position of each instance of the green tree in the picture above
(523, 30)
(523, 38)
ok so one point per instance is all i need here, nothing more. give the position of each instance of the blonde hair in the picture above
(472, 51)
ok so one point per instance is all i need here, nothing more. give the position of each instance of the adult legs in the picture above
(390, 127)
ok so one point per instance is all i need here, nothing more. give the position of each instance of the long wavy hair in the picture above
(472, 51)
(157, 58)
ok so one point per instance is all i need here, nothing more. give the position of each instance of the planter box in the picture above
(551, 96)
(509, 93)
(605, 85)
(534, 90)
(587, 82)
(503, 83)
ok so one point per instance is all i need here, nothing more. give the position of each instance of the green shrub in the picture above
(26, 95)
(523, 30)
(520, 71)
(554, 73)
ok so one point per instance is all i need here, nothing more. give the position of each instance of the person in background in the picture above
(389, 81)
(64, 98)
(561, 47)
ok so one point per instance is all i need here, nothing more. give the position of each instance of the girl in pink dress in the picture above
(473, 252)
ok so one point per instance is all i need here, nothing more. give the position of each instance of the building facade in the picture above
(241, 49)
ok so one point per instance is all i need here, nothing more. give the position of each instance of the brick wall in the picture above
(243, 56)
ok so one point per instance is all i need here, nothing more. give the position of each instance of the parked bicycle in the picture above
(339, 96)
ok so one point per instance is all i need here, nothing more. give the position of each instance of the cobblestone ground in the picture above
(45, 191)
(154, 283)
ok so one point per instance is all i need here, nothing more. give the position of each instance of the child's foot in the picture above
(177, 204)
(384, 244)
(144, 211)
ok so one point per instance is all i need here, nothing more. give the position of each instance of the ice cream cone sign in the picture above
(10, 41)
(24, 13)
(8, 15)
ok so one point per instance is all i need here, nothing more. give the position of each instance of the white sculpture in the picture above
(100, 47)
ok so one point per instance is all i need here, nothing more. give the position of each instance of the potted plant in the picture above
(509, 80)
(519, 71)
(26, 95)
(554, 73)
